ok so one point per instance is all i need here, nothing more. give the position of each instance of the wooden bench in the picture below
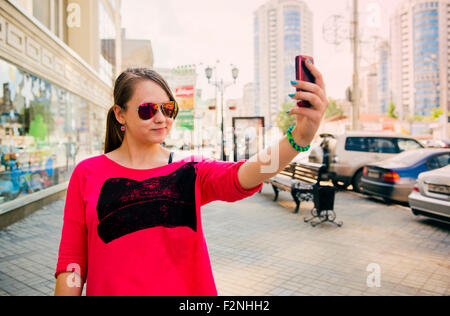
(302, 180)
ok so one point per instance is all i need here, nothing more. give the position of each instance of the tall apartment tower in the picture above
(420, 33)
(383, 72)
(283, 29)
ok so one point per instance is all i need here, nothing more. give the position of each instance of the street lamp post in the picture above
(355, 94)
(222, 86)
(335, 32)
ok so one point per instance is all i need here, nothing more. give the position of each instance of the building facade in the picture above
(248, 100)
(56, 89)
(383, 72)
(369, 89)
(136, 52)
(420, 50)
(283, 29)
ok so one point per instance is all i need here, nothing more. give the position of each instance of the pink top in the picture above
(139, 232)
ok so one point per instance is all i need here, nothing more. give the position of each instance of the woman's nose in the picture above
(159, 117)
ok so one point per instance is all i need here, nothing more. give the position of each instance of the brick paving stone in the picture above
(259, 247)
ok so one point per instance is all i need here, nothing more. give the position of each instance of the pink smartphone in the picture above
(303, 74)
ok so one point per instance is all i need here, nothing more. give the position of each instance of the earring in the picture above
(123, 128)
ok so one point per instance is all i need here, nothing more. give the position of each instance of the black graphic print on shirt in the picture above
(126, 206)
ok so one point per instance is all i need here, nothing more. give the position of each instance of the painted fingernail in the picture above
(292, 95)
(288, 111)
(308, 61)
(294, 82)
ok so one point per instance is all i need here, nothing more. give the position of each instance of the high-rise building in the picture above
(248, 100)
(420, 33)
(383, 75)
(369, 89)
(283, 29)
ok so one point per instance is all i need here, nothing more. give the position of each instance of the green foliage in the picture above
(391, 110)
(435, 114)
(333, 109)
(285, 121)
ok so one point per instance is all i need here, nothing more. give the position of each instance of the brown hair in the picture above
(123, 92)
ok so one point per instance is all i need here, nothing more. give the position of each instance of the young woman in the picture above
(132, 221)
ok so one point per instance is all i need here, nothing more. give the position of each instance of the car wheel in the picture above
(340, 185)
(357, 182)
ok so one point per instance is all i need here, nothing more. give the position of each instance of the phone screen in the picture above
(303, 74)
(307, 75)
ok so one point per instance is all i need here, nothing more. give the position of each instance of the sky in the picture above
(201, 32)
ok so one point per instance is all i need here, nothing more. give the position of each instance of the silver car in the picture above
(351, 151)
(431, 195)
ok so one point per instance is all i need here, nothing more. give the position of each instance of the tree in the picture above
(436, 113)
(333, 109)
(391, 111)
(285, 121)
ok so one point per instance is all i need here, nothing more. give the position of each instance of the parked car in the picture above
(437, 143)
(431, 195)
(394, 178)
(348, 154)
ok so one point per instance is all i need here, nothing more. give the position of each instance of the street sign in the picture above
(185, 120)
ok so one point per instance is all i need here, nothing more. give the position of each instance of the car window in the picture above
(356, 144)
(408, 144)
(443, 160)
(434, 163)
(6, 176)
(382, 145)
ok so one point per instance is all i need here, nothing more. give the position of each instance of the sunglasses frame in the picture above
(160, 107)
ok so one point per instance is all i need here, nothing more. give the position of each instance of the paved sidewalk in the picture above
(259, 247)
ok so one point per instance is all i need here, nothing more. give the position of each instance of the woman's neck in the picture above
(141, 157)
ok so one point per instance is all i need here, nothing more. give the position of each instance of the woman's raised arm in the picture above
(275, 158)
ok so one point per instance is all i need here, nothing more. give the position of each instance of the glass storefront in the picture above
(44, 132)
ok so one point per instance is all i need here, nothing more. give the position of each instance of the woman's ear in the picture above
(118, 111)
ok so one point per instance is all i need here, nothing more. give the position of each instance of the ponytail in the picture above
(114, 134)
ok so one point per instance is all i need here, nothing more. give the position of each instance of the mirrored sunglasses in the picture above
(147, 111)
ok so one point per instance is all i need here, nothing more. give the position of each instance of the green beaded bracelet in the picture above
(291, 141)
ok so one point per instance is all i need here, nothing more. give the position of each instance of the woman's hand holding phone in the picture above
(310, 114)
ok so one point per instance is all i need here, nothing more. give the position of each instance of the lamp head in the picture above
(208, 72)
(235, 73)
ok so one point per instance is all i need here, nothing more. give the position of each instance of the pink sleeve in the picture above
(73, 247)
(219, 181)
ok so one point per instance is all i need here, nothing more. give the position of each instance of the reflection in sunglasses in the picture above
(148, 110)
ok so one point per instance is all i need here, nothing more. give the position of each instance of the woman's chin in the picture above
(158, 140)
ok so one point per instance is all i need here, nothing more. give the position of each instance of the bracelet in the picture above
(291, 141)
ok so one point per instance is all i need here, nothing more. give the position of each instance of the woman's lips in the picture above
(158, 130)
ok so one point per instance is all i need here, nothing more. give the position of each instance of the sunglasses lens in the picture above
(149, 110)
(170, 109)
